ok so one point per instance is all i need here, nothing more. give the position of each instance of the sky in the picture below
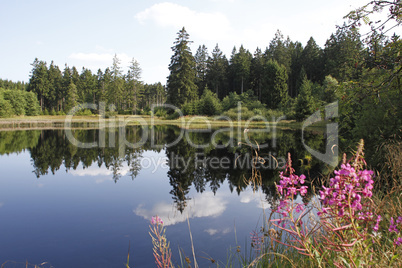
(89, 33)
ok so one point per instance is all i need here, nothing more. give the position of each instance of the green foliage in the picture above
(239, 113)
(32, 107)
(305, 101)
(190, 108)
(330, 89)
(82, 112)
(209, 103)
(17, 100)
(181, 85)
(6, 110)
(275, 89)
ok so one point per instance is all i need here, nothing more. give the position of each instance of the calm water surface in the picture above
(82, 207)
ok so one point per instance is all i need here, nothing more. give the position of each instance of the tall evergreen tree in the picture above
(296, 66)
(312, 59)
(39, 82)
(181, 85)
(134, 85)
(88, 83)
(55, 85)
(116, 88)
(275, 91)
(71, 97)
(343, 54)
(217, 72)
(241, 70)
(305, 102)
(257, 72)
(201, 60)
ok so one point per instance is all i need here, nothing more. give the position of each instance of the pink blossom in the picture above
(156, 220)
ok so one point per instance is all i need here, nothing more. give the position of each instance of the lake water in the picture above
(82, 207)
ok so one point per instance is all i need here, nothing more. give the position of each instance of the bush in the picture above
(6, 110)
(209, 104)
(160, 112)
(174, 115)
(85, 112)
(17, 100)
(243, 113)
(190, 108)
(32, 107)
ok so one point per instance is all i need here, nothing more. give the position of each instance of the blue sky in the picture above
(89, 33)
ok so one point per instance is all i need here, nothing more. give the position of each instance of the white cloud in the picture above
(213, 232)
(257, 198)
(205, 205)
(207, 26)
(95, 171)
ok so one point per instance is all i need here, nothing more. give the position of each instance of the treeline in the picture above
(286, 76)
(59, 91)
(15, 100)
(362, 73)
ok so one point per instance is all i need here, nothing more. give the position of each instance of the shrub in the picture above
(32, 107)
(235, 113)
(6, 110)
(17, 100)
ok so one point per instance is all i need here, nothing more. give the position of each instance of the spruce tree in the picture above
(217, 72)
(181, 85)
(201, 61)
(134, 85)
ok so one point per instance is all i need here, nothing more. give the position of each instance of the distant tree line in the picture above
(59, 91)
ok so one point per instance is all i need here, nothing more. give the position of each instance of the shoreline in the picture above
(94, 121)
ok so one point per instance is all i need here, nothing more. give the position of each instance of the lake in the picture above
(85, 197)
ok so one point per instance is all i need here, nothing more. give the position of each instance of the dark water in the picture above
(82, 207)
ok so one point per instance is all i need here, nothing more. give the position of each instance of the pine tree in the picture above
(217, 72)
(343, 55)
(117, 84)
(312, 59)
(201, 61)
(305, 101)
(134, 85)
(55, 84)
(275, 89)
(257, 72)
(181, 85)
(241, 69)
(72, 97)
(39, 82)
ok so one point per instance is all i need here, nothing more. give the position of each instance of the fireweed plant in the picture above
(161, 249)
(347, 230)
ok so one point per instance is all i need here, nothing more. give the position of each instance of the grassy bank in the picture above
(94, 121)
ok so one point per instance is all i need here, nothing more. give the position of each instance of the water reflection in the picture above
(204, 205)
(186, 165)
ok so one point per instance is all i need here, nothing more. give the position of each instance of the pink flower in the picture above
(398, 241)
(156, 220)
(376, 227)
(303, 190)
(392, 226)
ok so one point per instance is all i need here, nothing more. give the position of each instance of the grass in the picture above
(187, 122)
